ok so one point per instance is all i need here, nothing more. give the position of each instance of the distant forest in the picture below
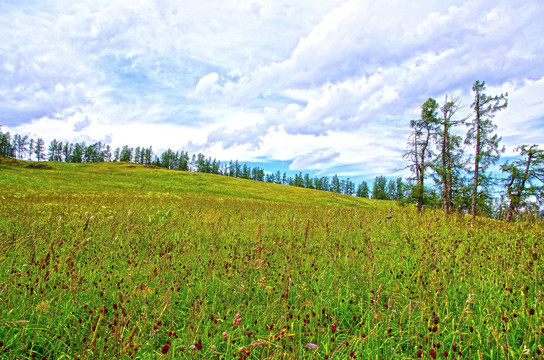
(435, 151)
(25, 148)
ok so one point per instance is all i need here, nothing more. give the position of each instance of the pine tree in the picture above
(39, 149)
(31, 149)
(525, 178)
(363, 190)
(77, 152)
(449, 156)
(379, 191)
(481, 134)
(52, 151)
(419, 151)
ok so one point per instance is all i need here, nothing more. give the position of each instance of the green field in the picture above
(105, 261)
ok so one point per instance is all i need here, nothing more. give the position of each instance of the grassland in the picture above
(109, 261)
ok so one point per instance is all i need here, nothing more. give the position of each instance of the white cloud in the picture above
(323, 84)
(207, 86)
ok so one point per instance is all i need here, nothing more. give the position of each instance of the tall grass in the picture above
(163, 272)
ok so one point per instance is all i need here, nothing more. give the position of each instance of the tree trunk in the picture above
(515, 198)
(444, 166)
(450, 185)
(477, 157)
(510, 212)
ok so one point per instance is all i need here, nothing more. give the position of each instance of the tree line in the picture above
(25, 148)
(459, 166)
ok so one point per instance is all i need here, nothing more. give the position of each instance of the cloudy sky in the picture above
(320, 86)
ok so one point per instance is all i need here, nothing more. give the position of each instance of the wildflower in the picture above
(237, 319)
(432, 353)
(165, 348)
(311, 346)
(333, 328)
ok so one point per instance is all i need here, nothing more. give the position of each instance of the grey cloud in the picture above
(314, 159)
(81, 125)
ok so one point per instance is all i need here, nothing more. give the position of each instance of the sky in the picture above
(320, 86)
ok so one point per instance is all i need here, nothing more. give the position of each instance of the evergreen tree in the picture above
(350, 187)
(363, 190)
(298, 181)
(39, 149)
(449, 156)
(481, 134)
(67, 152)
(335, 184)
(277, 178)
(246, 172)
(117, 154)
(168, 159)
(391, 190)
(52, 150)
(308, 182)
(78, 153)
(60, 146)
(419, 151)
(525, 178)
(149, 156)
(126, 154)
(399, 189)
(6, 148)
(184, 161)
(107, 153)
(22, 146)
(379, 191)
(31, 149)
(237, 172)
(137, 155)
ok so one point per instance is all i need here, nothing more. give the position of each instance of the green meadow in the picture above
(120, 261)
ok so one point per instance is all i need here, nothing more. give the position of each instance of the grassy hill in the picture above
(22, 178)
(106, 261)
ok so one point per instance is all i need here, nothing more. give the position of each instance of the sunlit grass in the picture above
(109, 261)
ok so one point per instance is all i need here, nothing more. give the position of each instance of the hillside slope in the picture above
(22, 178)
